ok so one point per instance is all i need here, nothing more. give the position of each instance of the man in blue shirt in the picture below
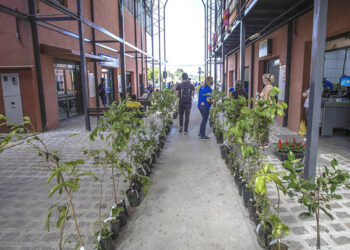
(204, 103)
(327, 84)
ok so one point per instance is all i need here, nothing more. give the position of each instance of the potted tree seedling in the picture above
(116, 128)
(67, 176)
(270, 224)
(217, 113)
(103, 236)
(315, 193)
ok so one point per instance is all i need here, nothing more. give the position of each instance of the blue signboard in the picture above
(113, 61)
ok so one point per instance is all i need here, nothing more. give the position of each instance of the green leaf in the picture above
(53, 174)
(60, 221)
(305, 215)
(327, 213)
(47, 221)
(57, 187)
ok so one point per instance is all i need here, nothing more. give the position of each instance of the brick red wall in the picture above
(20, 52)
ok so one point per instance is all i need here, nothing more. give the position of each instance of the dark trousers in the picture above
(205, 114)
(184, 108)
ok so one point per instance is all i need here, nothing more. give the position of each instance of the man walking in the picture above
(185, 91)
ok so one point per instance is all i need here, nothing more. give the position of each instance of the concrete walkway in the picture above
(193, 202)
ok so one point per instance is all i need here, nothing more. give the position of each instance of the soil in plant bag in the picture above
(133, 197)
(107, 244)
(141, 172)
(241, 185)
(264, 230)
(136, 183)
(149, 162)
(154, 158)
(275, 246)
(123, 216)
(247, 193)
(158, 152)
(223, 152)
(115, 228)
(220, 138)
(175, 114)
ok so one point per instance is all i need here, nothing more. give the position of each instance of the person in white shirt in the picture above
(306, 94)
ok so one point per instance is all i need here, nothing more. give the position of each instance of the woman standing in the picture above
(268, 79)
(204, 104)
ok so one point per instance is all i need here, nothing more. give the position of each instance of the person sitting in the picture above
(133, 103)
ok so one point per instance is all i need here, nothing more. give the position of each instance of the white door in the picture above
(12, 97)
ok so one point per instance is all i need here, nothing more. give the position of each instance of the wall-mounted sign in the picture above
(265, 48)
(112, 61)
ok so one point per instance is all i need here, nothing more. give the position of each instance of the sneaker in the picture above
(180, 130)
(205, 137)
(186, 131)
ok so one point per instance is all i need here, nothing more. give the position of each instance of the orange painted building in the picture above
(60, 60)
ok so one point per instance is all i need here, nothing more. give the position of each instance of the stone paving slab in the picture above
(24, 198)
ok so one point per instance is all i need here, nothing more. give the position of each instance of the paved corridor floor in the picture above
(193, 202)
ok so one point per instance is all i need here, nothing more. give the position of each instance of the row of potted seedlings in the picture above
(132, 146)
(245, 135)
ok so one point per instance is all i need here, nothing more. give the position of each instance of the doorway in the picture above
(128, 84)
(69, 90)
(273, 67)
(108, 75)
(141, 85)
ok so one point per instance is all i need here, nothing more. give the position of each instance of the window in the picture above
(336, 64)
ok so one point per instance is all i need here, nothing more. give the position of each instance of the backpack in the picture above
(185, 93)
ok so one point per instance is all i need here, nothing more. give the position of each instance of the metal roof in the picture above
(262, 17)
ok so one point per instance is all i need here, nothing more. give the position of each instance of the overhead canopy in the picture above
(262, 16)
(75, 54)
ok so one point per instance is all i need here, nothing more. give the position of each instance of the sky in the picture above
(184, 35)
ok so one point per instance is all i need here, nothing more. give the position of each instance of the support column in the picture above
(142, 56)
(152, 30)
(211, 31)
(136, 54)
(83, 65)
(223, 68)
(143, 75)
(94, 51)
(316, 74)
(36, 50)
(160, 49)
(165, 76)
(122, 46)
(205, 40)
(288, 69)
(242, 50)
(215, 57)
(251, 85)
